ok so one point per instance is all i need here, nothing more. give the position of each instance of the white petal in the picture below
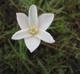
(45, 36)
(22, 20)
(33, 15)
(20, 35)
(32, 43)
(45, 20)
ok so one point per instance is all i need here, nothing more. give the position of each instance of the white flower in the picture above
(33, 28)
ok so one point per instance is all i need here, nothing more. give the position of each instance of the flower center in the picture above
(33, 30)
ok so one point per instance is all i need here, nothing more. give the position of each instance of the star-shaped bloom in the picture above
(33, 28)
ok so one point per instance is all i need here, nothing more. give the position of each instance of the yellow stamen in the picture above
(33, 30)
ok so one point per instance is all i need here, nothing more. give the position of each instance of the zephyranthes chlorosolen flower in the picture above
(33, 28)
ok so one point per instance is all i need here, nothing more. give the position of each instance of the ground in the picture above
(62, 57)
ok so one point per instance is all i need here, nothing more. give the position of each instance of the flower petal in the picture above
(45, 36)
(33, 15)
(20, 35)
(45, 20)
(32, 43)
(22, 20)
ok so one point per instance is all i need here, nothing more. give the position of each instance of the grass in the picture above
(62, 57)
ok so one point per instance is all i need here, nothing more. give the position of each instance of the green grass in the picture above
(62, 57)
